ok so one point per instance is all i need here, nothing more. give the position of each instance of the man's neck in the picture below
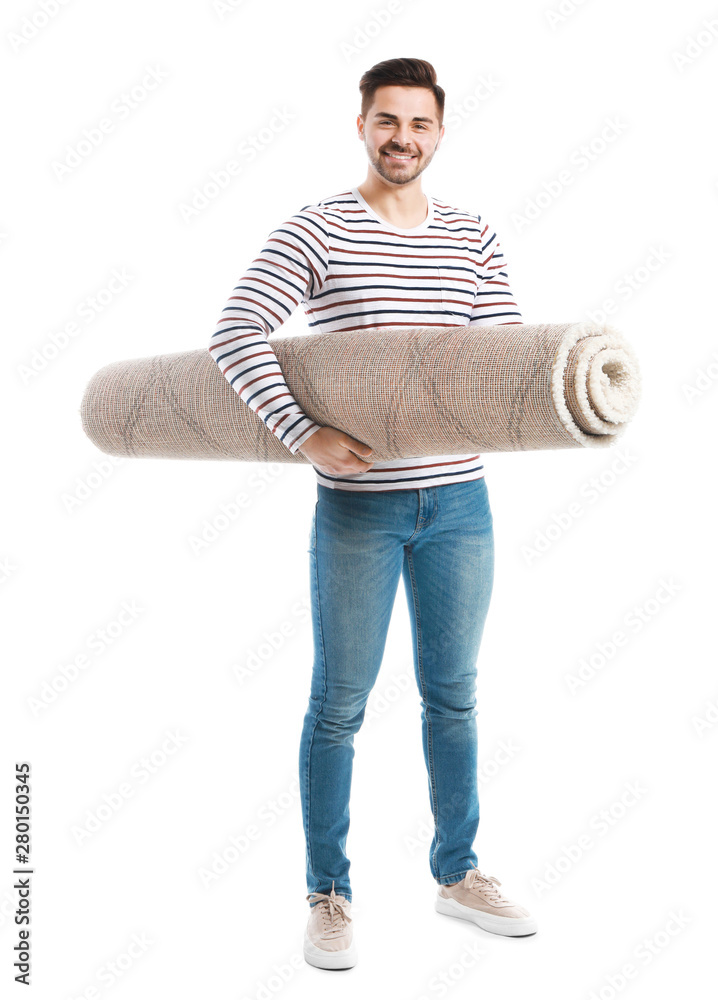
(405, 206)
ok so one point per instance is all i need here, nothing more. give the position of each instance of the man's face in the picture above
(401, 120)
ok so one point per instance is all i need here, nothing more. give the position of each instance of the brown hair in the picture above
(401, 73)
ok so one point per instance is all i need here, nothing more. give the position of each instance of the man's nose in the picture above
(402, 137)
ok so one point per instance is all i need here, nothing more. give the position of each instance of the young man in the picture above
(383, 254)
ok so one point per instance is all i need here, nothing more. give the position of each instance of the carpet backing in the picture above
(406, 392)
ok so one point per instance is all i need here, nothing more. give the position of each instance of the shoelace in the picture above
(475, 879)
(333, 910)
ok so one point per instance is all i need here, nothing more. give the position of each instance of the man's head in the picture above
(402, 111)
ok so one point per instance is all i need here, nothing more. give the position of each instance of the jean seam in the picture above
(422, 680)
(324, 695)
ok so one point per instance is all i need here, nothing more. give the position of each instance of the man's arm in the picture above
(290, 267)
(494, 303)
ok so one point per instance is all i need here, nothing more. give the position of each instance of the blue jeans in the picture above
(441, 539)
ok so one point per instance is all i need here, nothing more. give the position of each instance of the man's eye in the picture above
(387, 122)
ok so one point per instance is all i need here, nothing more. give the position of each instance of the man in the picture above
(383, 255)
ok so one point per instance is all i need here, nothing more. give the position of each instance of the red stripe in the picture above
(248, 357)
(427, 465)
(292, 247)
(388, 232)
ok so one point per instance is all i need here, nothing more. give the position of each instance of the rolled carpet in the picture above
(406, 392)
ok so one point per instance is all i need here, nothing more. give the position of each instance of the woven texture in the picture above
(407, 392)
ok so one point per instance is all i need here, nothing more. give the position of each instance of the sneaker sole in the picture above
(321, 959)
(509, 926)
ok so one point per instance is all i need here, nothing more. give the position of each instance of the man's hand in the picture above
(331, 451)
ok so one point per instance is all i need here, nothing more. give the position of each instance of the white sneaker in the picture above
(477, 899)
(328, 940)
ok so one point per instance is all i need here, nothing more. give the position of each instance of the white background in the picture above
(83, 534)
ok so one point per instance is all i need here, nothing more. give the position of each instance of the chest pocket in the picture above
(457, 293)
(444, 284)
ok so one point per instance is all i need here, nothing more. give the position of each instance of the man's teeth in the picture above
(401, 156)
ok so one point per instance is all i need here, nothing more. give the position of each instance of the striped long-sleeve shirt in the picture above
(351, 270)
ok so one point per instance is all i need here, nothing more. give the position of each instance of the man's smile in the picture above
(400, 157)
